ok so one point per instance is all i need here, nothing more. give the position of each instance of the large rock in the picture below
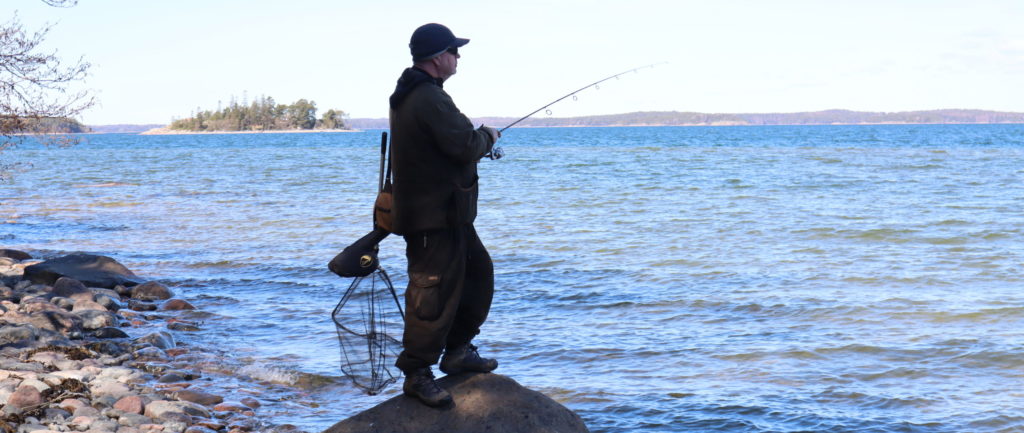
(483, 402)
(15, 254)
(23, 336)
(92, 270)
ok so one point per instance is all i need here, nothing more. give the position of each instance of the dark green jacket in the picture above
(435, 150)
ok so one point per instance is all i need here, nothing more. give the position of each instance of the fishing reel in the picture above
(496, 153)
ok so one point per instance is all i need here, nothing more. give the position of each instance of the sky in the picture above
(154, 61)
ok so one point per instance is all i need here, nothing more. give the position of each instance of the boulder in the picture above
(151, 291)
(92, 270)
(483, 402)
(15, 254)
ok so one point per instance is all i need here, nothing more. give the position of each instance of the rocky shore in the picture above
(67, 363)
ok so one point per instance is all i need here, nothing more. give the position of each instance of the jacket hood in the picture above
(411, 77)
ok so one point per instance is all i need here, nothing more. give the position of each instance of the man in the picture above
(435, 150)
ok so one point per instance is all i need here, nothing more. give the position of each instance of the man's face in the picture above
(447, 63)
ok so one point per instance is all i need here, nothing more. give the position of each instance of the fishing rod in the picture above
(497, 152)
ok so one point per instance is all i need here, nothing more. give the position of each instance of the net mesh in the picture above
(366, 317)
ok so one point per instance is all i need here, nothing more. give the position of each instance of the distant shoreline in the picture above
(168, 131)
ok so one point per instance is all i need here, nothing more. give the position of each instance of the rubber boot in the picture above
(465, 358)
(421, 385)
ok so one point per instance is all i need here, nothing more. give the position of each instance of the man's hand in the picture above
(495, 135)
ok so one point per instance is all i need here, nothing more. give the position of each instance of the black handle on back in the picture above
(383, 151)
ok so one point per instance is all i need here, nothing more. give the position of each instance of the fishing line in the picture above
(497, 152)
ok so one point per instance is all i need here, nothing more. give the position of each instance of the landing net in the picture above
(366, 317)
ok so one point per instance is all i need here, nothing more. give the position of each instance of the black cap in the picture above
(430, 40)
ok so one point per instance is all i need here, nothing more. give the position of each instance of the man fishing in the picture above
(435, 150)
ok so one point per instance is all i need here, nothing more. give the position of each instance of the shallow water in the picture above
(807, 278)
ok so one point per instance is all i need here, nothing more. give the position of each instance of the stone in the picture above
(86, 412)
(92, 270)
(15, 254)
(131, 404)
(159, 409)
(150, 354)
(79, 375)
(483, 402)
(199, 397)
(57, 321)
(108, 387)
(199, 429)
(109, 332)
(107, 302)
(82, 422)
(176, 426)
(25, 396)
(66, 287)
(72, 404)
(87, 305)
(96, 319)
(171, 377)
(183, 326)
(124, 291)
(138, 305)
(114, 373)
(18, 336)
(37, 384)
(151, 291)
(133, 420)
(159, 339)
(251, 402)
(36, 305)
(56, 414)
(65, 303)
(176, 305)
(210, 424)
(231, 407)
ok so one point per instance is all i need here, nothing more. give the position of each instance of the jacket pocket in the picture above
(465, 202)
(423, 297)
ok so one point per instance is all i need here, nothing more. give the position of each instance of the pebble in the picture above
(251, 402)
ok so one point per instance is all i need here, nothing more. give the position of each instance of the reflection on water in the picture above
(818, 278)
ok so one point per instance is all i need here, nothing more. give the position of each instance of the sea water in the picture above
(776, 278)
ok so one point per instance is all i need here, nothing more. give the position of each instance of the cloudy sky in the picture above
(157, 60)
